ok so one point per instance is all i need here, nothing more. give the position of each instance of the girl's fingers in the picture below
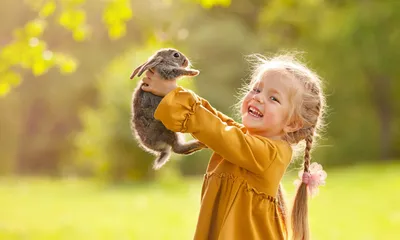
(149, 73)
(146, 84)
(146, 80)
(146, 88)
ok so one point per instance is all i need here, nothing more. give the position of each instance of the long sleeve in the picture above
(229, 121)
(182, 110)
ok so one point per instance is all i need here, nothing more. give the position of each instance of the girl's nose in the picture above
(258, 98)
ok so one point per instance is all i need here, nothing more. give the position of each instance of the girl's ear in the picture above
(293, 126)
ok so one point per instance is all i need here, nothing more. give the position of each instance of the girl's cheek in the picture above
(269, 115)
(246, 100)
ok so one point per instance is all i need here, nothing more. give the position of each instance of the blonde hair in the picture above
(309, 111)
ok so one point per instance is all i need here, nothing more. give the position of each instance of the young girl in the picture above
(241, 195)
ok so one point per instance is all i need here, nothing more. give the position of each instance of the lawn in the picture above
(361, 202)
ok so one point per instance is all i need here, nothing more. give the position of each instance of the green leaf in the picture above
(47, 9)
(35, 28)
(109, 16)
(79, 17)
(4, 65)
(65, 19)
(81, 33)
(211, 3)
(68, 67)
(39, 67)
(117, 31)
(66, 64)
(115, 14)
(125, 11)
(72, 19)
(4, 88)
(12, 53)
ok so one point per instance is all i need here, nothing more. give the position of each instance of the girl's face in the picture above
(265, 109)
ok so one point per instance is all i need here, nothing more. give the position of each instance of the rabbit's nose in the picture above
(185, 63)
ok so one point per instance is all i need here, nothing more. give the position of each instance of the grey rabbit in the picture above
(151, 134)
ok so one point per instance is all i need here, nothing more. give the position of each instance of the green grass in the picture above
(361, 202)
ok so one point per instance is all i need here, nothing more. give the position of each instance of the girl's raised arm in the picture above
(229, 121)
(182, 110)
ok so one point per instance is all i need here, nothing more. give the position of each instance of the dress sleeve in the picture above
(229, 121)
(183, 111)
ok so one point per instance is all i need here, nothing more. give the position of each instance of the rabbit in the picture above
(150, 133)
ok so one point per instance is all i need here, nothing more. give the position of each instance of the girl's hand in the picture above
(155, 84)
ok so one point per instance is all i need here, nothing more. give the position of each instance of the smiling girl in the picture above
(241, 196)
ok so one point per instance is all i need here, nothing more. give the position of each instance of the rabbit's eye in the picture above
(176, 55)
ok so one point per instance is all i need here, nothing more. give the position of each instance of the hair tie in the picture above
(313, 179)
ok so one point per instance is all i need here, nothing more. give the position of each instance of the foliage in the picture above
(77, 118)
(29, 50)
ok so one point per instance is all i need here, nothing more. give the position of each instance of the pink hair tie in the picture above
(313, 179)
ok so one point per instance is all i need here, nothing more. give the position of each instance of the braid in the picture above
(300, 226)
(307, 155)
(295, 137)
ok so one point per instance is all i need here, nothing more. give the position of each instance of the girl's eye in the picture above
(274, 99)
(256, 90)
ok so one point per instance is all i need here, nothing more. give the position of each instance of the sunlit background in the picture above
(70, 168)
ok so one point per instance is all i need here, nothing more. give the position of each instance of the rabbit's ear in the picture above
(150, 64)
(137, 70)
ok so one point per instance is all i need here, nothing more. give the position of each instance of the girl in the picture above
(241, 196)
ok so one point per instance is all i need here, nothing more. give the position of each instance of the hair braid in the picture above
(300, 227)
(307, 153)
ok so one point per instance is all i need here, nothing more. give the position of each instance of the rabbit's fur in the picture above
(151, 134)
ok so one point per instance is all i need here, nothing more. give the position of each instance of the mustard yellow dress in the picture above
(239, 194)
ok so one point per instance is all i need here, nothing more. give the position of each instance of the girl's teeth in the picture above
(254, 112)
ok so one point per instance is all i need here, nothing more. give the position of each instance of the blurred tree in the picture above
(351, 44)
(29, 49)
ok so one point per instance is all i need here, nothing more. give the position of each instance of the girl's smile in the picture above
(254, 112)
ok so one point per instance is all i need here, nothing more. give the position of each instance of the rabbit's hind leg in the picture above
(162, 158)
(181, 147)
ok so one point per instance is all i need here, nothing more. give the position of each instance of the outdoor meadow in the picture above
(71, 169)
